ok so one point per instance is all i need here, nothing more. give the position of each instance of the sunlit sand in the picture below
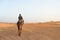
(31, 31)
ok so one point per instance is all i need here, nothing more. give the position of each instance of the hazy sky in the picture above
(31, 10)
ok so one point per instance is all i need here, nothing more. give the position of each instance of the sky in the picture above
(31, 10)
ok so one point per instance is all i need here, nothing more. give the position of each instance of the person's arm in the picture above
(18, 17)
(21, 17)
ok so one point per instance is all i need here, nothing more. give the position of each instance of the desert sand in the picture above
(31, 31)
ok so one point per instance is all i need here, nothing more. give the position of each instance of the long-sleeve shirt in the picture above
(20, 17)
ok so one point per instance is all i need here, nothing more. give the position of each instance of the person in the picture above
(20, 17)
(20, 20)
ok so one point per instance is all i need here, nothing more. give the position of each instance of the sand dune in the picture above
(37, 31)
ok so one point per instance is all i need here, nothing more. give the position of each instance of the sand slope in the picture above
(30, 32)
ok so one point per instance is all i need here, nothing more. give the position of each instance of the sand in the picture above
(31, 31)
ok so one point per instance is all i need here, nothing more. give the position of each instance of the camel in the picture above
(20, 24)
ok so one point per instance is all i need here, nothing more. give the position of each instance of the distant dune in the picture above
(31, 31)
